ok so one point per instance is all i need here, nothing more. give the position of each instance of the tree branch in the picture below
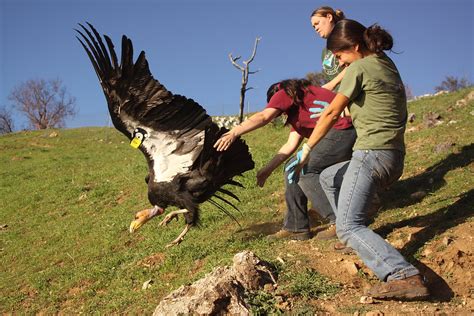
(233, 61)
(254, 51)
(46, 104)
(245, 75)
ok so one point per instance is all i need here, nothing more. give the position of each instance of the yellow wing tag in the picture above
(135, 143)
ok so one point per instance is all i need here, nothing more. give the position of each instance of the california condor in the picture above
(173, 132)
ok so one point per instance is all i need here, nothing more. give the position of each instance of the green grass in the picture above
(262, 303)
(67, 202)
(310, 284)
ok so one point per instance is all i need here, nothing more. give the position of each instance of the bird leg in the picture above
(180, 238)
(172, 215)
(168, 219)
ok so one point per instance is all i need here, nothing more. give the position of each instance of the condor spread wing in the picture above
(175, 125)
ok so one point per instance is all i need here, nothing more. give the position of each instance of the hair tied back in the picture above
(377, 39)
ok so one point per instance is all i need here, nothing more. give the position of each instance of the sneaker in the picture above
(329, 233)
(408, 289)
(341, 248)
(284, 234)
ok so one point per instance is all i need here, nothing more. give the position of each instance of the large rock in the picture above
(221, 291)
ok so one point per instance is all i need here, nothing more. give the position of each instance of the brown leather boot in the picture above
(284, 234)
(341, 248)
(328, 233)
(409, 289)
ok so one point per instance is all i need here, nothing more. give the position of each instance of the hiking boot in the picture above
(341, 248)
(329, 233)
(408, 289)
(287, 235)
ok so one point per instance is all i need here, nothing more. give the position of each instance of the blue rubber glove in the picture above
(301, 159)
(318, 110)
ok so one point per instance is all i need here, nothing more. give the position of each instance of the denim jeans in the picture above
(335, 147)
(350, 187)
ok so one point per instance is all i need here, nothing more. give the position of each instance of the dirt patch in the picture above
(29, 295)
(79, 288)
(446, 261)
(68, 305)
(451, 257)
(197, 266)
(122, 197)
(39, 145)
(154, 260)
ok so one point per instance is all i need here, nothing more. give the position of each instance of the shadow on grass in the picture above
(433, 224)
(259, 230)
(316, 222)
(413, 190)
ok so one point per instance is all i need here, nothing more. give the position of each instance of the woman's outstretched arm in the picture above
(294, 140)
(257, 120)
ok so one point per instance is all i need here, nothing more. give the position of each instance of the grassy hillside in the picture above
(68, 196)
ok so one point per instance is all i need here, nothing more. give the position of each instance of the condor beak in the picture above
(144, 216)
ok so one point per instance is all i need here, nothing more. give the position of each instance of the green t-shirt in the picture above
(330, 65)
(379, 105)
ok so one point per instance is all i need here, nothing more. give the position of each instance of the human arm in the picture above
(327, 119)
(254, 122)
(294, 140)
(331, 85)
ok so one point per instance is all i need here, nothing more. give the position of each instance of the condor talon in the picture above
(168, 218)
(180, 237)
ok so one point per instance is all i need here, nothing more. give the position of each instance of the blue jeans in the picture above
(335, 147)
(350, 187)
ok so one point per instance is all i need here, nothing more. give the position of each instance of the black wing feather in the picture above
(227, 202)
(224, 211)
(112, 51)
(134, 98)
(229, 193)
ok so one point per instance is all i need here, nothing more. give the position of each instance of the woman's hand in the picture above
(225, 141)
(322, 105)
(257, 120)
(297, 167)
(262, 176)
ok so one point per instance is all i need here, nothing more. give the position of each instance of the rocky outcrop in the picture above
(222, 291)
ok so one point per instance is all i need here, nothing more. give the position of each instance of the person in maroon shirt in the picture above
(297, 98)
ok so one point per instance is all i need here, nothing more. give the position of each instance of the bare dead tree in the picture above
(6, 121)
(46, 104)
(245, 76)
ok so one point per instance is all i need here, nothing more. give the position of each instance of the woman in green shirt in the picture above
(374, 92)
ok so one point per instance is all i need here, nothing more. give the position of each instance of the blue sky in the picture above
(187, 43)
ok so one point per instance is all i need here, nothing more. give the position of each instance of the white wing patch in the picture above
(166, 150)
(167, 161)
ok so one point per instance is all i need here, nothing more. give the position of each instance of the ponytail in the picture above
(337, 15)
(349, 33)
(377, 39)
